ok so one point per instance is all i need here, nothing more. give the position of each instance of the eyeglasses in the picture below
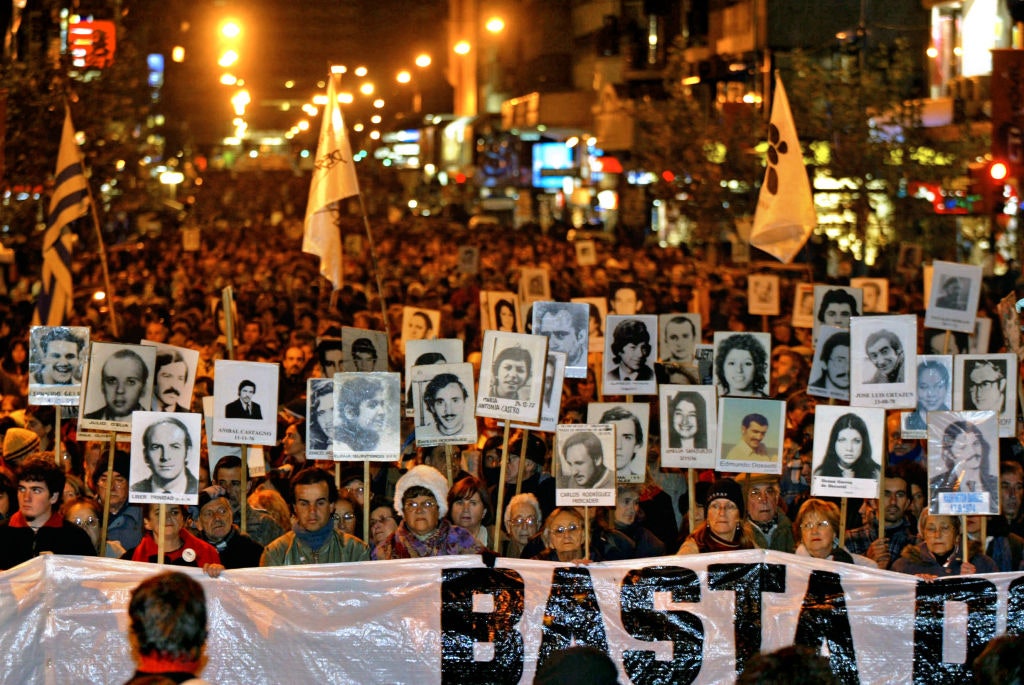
(426, 506)
(90, 521)
(210, 513)
(345, 517)
(523, 521)
(768, 493)
(360, 490)
(938, 530)
(562, 530)
(812, 525)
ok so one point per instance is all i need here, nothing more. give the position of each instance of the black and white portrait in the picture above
(56, 357)
(680, 335)
(830, 374)
(120, 382)
(424, 352)
(419, 324)
(499, 311)
(688, 421)
(626, 298)
(511, 376)
(883, 361)
(934, 393)
(835, 305)
(986, 382)
(586, 252)
(533, 284)
(443, 400)
(245, 399)
(320, 418)
(174, 378)
(585, 465)
(953, 296)
(469, 259)
(847, 457)
(874, 294)
(963, 463)
(763, 294)
(598, 313)
(631, 348)
(366, 416)
(566, 326)
(363, 350)
(803, 305)
(741, 363)
(165, 458)
(630, 421)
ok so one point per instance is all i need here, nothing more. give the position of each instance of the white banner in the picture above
(667, 619)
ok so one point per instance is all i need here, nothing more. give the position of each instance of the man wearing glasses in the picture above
(772, 528)
(986, 385)
(314, 540)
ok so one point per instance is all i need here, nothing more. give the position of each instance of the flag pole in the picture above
(103, 263)
(376, 269)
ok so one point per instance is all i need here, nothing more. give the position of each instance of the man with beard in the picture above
(445, 397)
(900, 531)
(512, 374)
(362, 415)
(169, 382)
(123, 378)
(885, 351)
(834, 364)
(216, 527)
(62, 351)
(584, 463)
(37, 527)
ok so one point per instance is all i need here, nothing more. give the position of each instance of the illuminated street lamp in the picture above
(423, 60)
(230, 29)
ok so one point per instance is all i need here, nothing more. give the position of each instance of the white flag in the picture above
(334, 178)
(785, 213)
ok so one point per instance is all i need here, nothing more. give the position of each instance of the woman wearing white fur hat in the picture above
(421, 498)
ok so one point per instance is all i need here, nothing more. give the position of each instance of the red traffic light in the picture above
(998, 171)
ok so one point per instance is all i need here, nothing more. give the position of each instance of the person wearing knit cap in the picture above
(313, 538)
(421, 498)
(215, 526)
(724, 528)
(771, 527)
(125, 524)
(18, 444)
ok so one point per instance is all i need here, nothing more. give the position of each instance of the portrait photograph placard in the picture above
(705, 355)
(631, 421)
(803, 305)
(419, 324)
(834, 305)
(566, 325)
(175, 377)
(953, 296)
(363, 350)
(598, 313)
(469, 259)
(511, 376)
(934, 393)
(164, 463)
(499, 311)
(909, 257)
(425, 352)
(874, 294)
(830, 374)
(443, 399)
(631, 346)
(848, 447)
(688, 426)
(245, 402)
(586, 252)
(585, 465)
(366, 416)
(533, 284)
(963, 463)
(987, 382)
(551, 404)
(320, 418)
(742, 363)
(883, 361)
(750, 435)
(680, 335)
(763, 294)
(57, 357)
(119, 382)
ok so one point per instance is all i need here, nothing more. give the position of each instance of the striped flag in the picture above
(334, 178)
(70, 201)
(785, 214)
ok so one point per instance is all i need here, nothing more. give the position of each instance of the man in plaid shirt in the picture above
(899, 530)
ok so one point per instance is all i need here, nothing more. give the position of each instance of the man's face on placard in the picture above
(562, 337)
(170, 383)
(166, 451)
(124, 379)
(581, 466)
(680, 342)
(753, 434)
(448, 409)
(60, 362)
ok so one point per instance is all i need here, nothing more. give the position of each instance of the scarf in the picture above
(407, 545)
(19, 521)
(313, 539)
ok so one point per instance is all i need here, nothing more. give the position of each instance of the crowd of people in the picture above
(443, 500)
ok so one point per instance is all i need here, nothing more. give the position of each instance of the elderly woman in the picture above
(816, 524)
(181, 548)
(849, 453)
(383, 522)
(469, 506)
(421, 498)
(523, 518)
(939, 554)
(741, 366)
(563, 536)
(724, 528)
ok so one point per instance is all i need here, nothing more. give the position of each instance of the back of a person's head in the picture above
(167, 614)
(793, 665)
(1001, 662)
(577, 666)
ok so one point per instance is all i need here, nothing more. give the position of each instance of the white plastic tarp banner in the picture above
(666, 619)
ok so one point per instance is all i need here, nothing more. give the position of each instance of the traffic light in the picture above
(998, 172)
(987, 184)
